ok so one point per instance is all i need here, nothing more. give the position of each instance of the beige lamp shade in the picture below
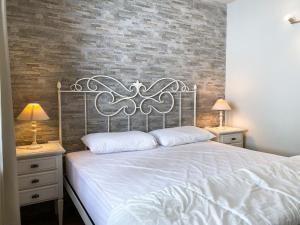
(33, 112)
(221, 105)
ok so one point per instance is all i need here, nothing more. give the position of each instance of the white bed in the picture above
(102, 182)
(97, 184)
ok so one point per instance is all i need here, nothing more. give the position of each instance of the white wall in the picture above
(263, 73)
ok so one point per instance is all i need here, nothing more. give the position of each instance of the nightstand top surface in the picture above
(48, 149)
(225, 130)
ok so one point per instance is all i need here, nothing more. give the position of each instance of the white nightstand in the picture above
(228, 135)
(40, 175)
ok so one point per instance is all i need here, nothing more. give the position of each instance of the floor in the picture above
(44, 214)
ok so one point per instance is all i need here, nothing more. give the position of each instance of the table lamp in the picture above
(221, 105)
(33, 112)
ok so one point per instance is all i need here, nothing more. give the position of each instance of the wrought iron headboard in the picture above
(96, 85)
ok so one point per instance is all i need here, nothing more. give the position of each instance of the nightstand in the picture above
(228, 135)
(40, 175)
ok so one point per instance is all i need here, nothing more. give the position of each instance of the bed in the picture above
(102, 182)
(98, 184)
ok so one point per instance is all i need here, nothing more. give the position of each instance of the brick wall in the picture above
(52, 40)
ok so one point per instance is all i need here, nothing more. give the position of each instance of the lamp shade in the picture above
(33, 112)
(221, 105)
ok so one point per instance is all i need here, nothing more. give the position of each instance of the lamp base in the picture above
(221, 119)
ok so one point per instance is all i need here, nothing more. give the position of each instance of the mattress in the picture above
(102, 182)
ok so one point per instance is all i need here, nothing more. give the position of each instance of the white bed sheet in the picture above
(102, 182)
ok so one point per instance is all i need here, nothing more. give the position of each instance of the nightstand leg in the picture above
(59, 208)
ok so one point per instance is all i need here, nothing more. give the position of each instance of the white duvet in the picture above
(103, 182)
(265, 195)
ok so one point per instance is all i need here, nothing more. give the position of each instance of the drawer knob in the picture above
(35, 181)
(32, 166)
(35, 196)
(233, 139)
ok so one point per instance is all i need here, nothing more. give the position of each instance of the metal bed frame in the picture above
(149, 98)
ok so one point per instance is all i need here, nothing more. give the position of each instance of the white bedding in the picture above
(264, 195)
(103, 182)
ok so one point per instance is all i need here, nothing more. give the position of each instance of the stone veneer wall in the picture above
(52, 40)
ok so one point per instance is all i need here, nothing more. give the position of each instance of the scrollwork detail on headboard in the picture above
(169, 86)
(158, 97)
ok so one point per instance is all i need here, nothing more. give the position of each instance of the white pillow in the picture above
(101, 143)
(181, 135)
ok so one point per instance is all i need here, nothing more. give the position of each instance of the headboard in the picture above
(156, 97)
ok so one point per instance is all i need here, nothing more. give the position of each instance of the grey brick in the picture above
(129, 40)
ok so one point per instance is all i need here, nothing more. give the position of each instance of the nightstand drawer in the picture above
(241, 145)
(27, 166)
(38, 195)
(38, 180)
(232, 138)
